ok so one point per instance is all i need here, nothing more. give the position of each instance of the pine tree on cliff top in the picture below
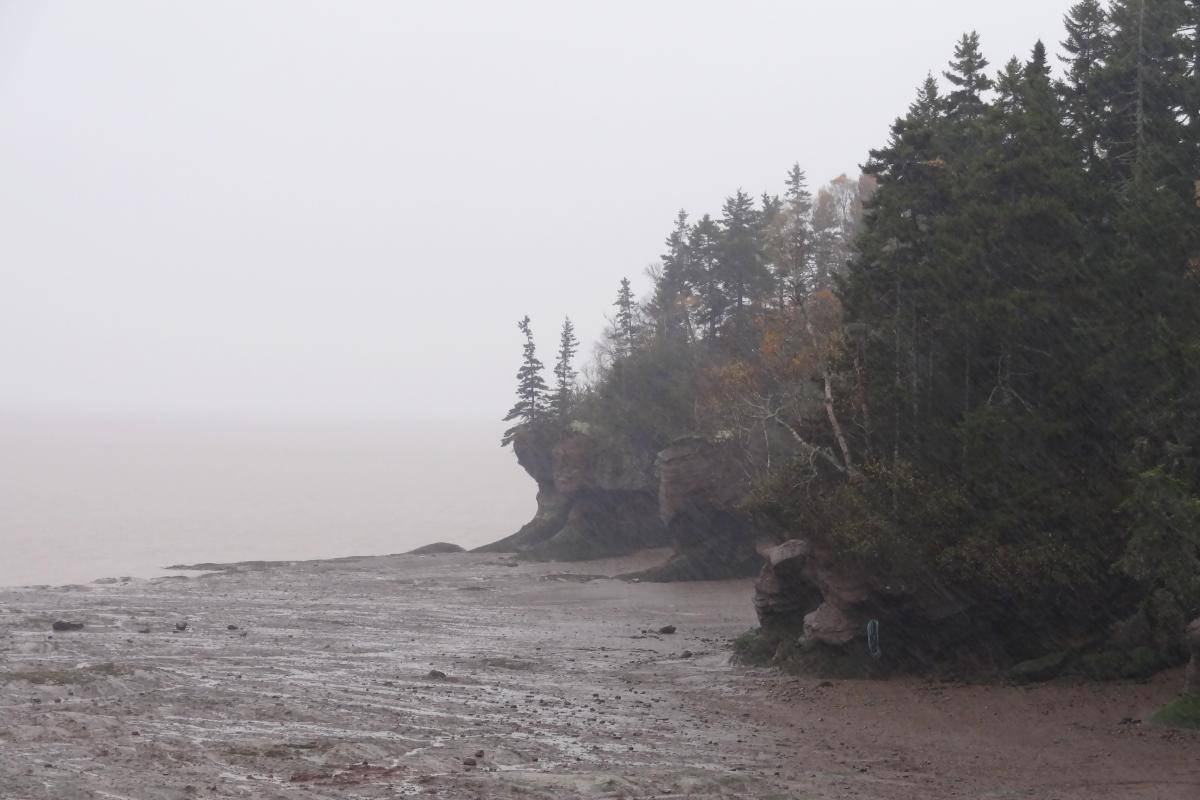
(792, 241)
(624, 333)
(673, 290)
(531, 389)
(564, 373)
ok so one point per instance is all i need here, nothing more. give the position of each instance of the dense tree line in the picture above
(981, 360)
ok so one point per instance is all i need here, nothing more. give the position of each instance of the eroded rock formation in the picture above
(698, 491)
(591, 502)
(826, 606)
(596, 501)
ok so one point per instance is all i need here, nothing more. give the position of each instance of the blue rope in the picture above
(873, 639)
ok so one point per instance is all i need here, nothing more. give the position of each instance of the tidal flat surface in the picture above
(317, 680)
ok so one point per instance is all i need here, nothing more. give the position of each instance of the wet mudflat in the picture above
(461, 676)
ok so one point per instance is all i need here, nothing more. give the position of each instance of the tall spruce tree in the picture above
(790, 240)
(742, 272)
(893, 290)
(564, 371)
(530, 408)
(1152, 291)
(624, 333)
(672, 292)
(1146, 89)
(967, 75)
(704, 245)
(1085, 46)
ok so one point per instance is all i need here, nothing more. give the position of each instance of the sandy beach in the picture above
(466, 676)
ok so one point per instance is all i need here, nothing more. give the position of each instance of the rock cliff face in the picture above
(591, 503)
(594, 502)
(698, 491)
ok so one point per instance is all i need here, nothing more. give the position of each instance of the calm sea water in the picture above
(81, 500)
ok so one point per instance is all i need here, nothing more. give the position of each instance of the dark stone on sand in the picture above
(437, 548)
(435, 675)
(181, 626)
(61, 626)
(1040, 669)
(667, 629)
(469, 762)
(686, 654)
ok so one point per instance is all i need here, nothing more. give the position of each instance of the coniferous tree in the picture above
(704, 245)
(791, 240)
(772, 206)
(530, 407)
(624, 334)
(742, 272)
(1192, 49)
(1145, 87)
(1085, 45)
(970, 81)
(891, 290)
(826, 242)
(564, 371)
(672, 292)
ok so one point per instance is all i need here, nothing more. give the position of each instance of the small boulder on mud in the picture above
(62, 625)
(1040, 669)
(437, 548)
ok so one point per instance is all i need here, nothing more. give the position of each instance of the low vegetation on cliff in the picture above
(977, 366)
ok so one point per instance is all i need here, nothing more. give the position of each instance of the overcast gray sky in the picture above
(341, 208)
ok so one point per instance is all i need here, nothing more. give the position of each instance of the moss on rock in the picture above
(1182, 713)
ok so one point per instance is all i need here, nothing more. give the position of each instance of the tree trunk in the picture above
(830, 410)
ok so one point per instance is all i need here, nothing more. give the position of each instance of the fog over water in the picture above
(337, 211)
(93, 498)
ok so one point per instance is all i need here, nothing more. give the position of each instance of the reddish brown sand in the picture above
(322, 692)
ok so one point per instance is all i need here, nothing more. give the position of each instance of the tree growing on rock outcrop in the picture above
(531, 405)
(564, 372)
